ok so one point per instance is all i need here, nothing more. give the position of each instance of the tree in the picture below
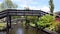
(51, 6)
(7, 4)
(26, 8)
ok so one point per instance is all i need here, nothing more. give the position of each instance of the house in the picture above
(58, 16)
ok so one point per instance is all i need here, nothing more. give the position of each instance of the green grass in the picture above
(2, 25)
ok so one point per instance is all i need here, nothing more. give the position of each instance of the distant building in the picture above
(58, 16)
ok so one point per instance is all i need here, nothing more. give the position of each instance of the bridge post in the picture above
(8, 23)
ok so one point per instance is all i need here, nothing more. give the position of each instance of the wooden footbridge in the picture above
(14, 12)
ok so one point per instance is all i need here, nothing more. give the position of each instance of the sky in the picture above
(36, 4)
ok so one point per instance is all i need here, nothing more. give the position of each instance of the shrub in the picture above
(45, 21)
(58, 28)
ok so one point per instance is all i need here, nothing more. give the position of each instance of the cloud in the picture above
(22, 1)
(0, 2)
(45, 8)
(32, 4)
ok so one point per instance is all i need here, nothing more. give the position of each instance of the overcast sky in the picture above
(36, 4)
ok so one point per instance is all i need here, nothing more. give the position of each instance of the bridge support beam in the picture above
(8, 23)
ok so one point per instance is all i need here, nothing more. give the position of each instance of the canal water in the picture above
(19, 28)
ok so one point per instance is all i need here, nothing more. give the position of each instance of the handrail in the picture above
(3, 14)
(23, 12)
(19, 12)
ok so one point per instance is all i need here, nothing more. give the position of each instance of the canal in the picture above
(20, 28)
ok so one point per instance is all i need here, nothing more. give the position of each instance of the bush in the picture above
(58, 28)
(45, 21)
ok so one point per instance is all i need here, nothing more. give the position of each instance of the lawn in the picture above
(2, 25)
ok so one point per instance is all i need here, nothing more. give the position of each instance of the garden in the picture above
(47, 22)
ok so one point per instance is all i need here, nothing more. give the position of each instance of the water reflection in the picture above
(2, 32)
(20, 29)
